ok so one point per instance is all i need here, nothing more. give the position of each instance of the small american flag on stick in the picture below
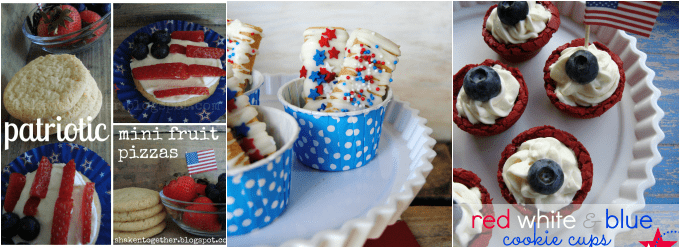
(201, 161)
(634, 17)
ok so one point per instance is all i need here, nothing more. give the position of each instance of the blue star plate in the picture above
(87, 162)
(149, 112)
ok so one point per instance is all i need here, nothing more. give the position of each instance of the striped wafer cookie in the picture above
(251, 133)
(235, 155)
(243, 42)
(321, 54)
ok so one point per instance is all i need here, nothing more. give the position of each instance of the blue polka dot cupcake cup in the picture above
(253, 92)
(258, 193)
(333, 141)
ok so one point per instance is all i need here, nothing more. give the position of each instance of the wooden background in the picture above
(17, 51)
(128, 18)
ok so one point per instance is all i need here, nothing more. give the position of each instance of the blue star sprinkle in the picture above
(230, 94)
(319, 57)
(241, 130)
(313, 94)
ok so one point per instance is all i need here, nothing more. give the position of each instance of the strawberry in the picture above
(31, 206)
(86, 213)
(61, 221)
(200, 189)
(61, 20)
(181, 189)
(42, 178)
(175, 48)
(206, 71)
(67, 177)
(16, 185)
(162, 71)
(88, 17)
(204, 52)
(202, 221)
(195, 36)
(182, 91)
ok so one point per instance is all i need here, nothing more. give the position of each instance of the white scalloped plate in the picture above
(622, 142)
(346, 208)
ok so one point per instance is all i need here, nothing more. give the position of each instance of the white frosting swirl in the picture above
(470, 203)
(593, 93)
(516, 170)
(497, 107)
(524, 30)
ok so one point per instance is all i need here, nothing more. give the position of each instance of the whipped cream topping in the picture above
(46, 207)
(524, 30)
(516, 172)
(470, 203)
(593, 93)
(497, 107)
(162, 84)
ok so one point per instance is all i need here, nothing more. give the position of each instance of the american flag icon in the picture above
(634, 17)
(201, 161)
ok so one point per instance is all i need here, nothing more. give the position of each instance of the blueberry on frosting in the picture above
(482, 83)
(511, 12)
(582, 67)
(545, 176)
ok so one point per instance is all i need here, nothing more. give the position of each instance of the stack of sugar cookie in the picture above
(138, 213)
(57, 89)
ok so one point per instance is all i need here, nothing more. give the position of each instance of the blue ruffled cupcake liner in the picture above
(146, 111)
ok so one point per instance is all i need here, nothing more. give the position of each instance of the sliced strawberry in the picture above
(204, 52)
(42, 178)
(86, 213)
(31, 207)
(200, 189)
(67, 177)
(206, 71)
(182, 91)
(61, 221)
(175, 48)
(195, 36)
(16, 185)
(162, 71)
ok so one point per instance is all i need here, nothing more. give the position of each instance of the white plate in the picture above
(622, 142)
(346, 208)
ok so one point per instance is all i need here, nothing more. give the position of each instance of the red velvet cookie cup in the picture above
(580, 111)
(502, 123)
(471, 180)
(582, 156)
(524, 51)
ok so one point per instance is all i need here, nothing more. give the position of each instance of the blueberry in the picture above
(140, 51)
(222, 211)
(222, 177)
(104, 8)
(482, 83)
(7, 241)
(582, 67)
(212, 193)
(202, 181)
(160, 50)
(457, 214)
(160, 36)
(511, 12)
(29, 228)
(143, 38)
(10, 225)
(545, 176)
(79, 6)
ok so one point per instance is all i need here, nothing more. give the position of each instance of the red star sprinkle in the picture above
(319, 89)
(330, 77)
(231, 105)
(330, 34)
(333, 53)
(323, 71)
(324, 42)
(303, 72)
(255, 156)
(248, 144)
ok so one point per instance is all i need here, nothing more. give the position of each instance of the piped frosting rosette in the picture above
(243, 42)
(322, 55)
(258, 193)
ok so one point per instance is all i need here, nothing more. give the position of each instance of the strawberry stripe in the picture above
(16, 185)
(86, 213)
(206, 71)
(61, 221)
(67, 178)
(195, 36)
(31, 206)
(204, 52)
(182, 91)
(176, 48)
(42, 178)
(161, 71)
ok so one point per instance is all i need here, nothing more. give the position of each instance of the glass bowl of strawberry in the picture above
(198, 207)
(64, 28)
